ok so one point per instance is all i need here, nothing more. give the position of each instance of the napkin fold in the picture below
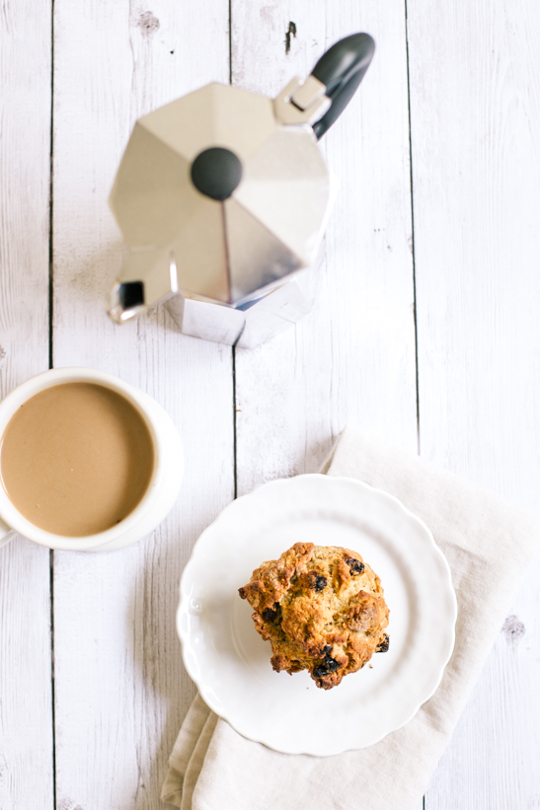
(488, 544)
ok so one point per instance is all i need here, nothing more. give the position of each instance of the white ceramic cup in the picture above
(162, 489)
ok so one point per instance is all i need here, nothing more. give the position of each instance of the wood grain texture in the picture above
(121, 691)
(353, 357)
(120, 688)
(475, 115)
(26, 755)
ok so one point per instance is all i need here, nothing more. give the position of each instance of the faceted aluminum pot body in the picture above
(223, 197)
(221, 264)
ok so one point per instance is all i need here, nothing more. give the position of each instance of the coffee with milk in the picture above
(76, 459)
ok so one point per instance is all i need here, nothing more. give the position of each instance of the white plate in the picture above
(230, 662)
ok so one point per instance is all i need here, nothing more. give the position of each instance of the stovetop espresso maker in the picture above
(223, 197)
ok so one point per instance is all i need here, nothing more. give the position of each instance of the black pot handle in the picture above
(341, 69)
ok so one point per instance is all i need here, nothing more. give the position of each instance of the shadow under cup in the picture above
(76, 458)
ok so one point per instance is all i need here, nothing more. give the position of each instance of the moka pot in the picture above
(223, 197)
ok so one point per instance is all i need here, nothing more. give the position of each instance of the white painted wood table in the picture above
(427, 332)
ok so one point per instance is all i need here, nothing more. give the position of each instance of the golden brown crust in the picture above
(322, 609)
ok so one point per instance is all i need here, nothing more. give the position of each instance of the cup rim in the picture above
(49, 379)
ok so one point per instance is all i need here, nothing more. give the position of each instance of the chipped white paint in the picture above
(26, 756)
(476, 169)
(120, 689)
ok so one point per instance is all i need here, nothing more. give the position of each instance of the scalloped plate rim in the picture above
(206, 694)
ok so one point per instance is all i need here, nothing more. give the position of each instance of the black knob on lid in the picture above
(216, 172)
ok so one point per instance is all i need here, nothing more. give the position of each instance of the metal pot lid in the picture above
(214, 185)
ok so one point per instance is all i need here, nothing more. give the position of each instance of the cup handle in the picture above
(6, 533)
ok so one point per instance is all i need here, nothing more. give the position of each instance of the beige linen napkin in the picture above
(488, 544)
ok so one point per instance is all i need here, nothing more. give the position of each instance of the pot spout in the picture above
(147, 278)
